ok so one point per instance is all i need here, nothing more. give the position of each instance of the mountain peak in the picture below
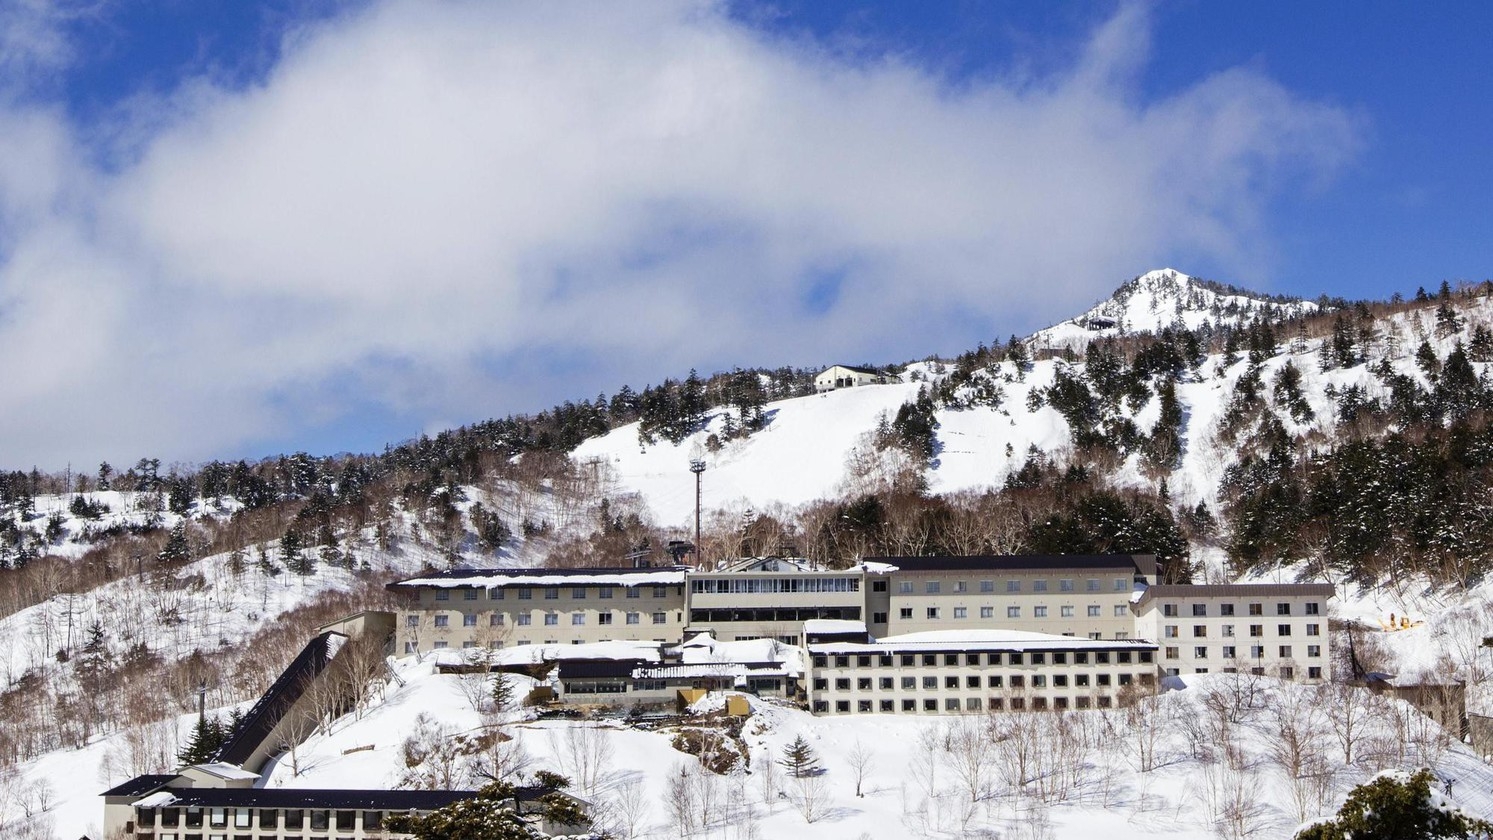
(1166, 297)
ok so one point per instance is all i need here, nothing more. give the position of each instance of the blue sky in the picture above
(233, 228)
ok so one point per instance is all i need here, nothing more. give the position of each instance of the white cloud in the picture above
(424, 206)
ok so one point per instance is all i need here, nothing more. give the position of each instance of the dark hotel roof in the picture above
(1144, 563)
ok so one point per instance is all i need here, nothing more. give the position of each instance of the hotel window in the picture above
(660, 618)
(987, 612)
(1121, 584)
(1094, 611)
(930, 659)
(633, 592)
(1013, 586)
(1039, 658)
(525, 594)
(1091, 585)
(1228, 630)
(577, 618)
(951, 659)
(932, 613)
(959, 586)
(1282, 629)
(1313, 650)
(932, 587)
(878, 586)
(442, 620)
(1256, 630)
(1169, 610)
(469, 594)
(551, 594)
(442, 595)
(1199, 631)
(524, 619)
(1228, 651)
(1173, 653)
(904, 613)
(1169, 631)
(1283, 609)
(1013, 658)
(1313, 630)
(987, 586)
(495, 594)
(878, 618)
(1256, 609)
(961, 612)
(1287, 672)
(885, 683)
(842, 684)
(1039, 586)
(904, 587)
(1065, 612)
(1257, 651)
(1313, 608)
(930, 683)
(1039, 612)
(551, 619)
(469, 620)
(1225, 609)
(1314, 673)
(578, 593)
(909, 683)
(1200, 652)
(660, 591)
(604, 592)
(1285, 651)
(951, 704)
(950, 682)
(412, 621)
(1199, 610)
(1121, 611)
(604, 618)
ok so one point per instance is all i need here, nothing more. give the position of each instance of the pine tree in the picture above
(208, 736)
(799, 759)
(1390, 808)
(177, 550)
(502, 692)
(490, 815)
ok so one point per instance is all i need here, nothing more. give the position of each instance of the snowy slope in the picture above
(1160, 299)
(1182, 796)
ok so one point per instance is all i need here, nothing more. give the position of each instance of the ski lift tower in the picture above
(697, 467)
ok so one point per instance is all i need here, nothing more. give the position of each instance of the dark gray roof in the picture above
(595, 668)
(1238, 590)
(277, 700)
(1144, 563)
(140, 785)
(459, 573)
(382, 800)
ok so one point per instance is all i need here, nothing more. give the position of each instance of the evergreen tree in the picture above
(177, 550)
(208, 736)
(502, 692)
(799, 759)
(491, 814)
(1396, 807)
(292, 556)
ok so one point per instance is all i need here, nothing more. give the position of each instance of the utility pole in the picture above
(698, 468)
(202, 702)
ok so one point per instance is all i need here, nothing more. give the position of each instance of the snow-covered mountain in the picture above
(1166, 298)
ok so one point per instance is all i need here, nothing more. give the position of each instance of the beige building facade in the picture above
(496, 608)
(1279, 630)
(771, 598)
(1080, 596)
(975, 671)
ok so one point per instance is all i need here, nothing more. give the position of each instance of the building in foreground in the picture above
(219, 801)
(970, 671)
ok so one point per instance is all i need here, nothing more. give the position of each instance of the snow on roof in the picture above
(160, 799)
(490, 578)
(746, 650)
(960, 640)
(531, 654)
(738, 670)
(872, 567)
(225, 771)
(831, 626)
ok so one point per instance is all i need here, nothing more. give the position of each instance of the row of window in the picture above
(968, 704)
(1039, 611)
(1255, 652)
(935, 587)
(411, 647)
(754, 585)
(1281, 608)
(1285, 672)
(551, 593)
(524, 619)
(1200, 631)
(318, 820)
(1035, 657)
(1017, 682)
